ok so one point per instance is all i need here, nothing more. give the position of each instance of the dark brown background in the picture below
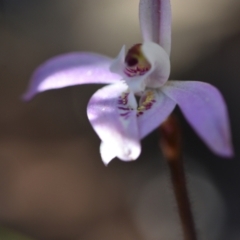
(53, 184)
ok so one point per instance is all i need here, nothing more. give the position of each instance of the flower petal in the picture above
(205, 109)
(160, 64)
(155, 77)
(154, 108)
(136, 84)
(112, 113)
(155, 21)
(107, 153)
(70, 69)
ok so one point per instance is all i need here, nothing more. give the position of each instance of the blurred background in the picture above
(53, 184)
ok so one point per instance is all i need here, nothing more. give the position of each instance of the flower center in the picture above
(135, 61)
(146, 102)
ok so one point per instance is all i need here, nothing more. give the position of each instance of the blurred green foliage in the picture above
(7, 234)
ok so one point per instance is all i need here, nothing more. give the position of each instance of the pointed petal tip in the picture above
(227, 152)
(27, 96)
(106, 162)
(117, 64)
(106, 155)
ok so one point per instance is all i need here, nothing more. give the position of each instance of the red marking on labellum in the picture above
(136, 63)
(124, 109)
(136, 71)
(124, 114)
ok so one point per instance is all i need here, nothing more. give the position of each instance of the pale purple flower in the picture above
(119, 119)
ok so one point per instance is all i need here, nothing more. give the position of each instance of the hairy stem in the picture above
(170, 143)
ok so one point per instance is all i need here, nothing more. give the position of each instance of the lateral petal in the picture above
(205, 109)
(154, 108)
(155, 22)
(112, 113)
(70, 69)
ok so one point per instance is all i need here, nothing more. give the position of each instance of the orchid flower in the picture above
(139, 96)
